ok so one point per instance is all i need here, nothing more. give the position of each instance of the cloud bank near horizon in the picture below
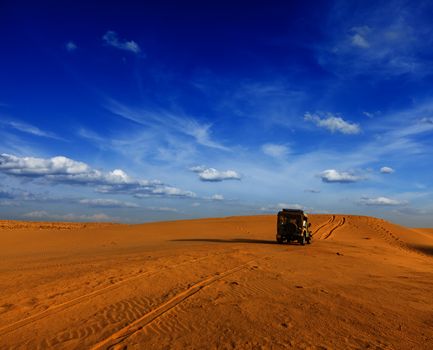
(63, 170)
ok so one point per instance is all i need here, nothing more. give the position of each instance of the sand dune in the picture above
(215, 284)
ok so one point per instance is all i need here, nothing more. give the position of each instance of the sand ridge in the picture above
(215, 283)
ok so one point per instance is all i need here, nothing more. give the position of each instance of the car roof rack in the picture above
(294, 211)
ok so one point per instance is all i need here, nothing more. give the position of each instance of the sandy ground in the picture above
(216, 284)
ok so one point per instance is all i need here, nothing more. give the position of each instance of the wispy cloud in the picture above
(70, 46)
(214, 175)
(14, 143)
(37, 214)
(276, 150)
(108, 203)
(264, 102)
(333, 123)
(27, 128)
(163, 209)
(44, 215)
(400, 133)
(139, 145)
(387, 38)
(20, 195)
(410, 212)
(143, 190)
(111, 38)
(63, 170)
(358, 39)
(165, 122)
(369, 114)
(5, 194)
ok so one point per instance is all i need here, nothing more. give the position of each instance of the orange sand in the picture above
(215, 284)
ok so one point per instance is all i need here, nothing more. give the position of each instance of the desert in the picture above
(221, 283)
(216, 175)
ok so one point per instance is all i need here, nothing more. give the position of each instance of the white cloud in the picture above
(386, 170)
(381, 201)
(333, 123)
(214, 175)
(172, 191)
(332, 175)
(112, 39)
(70, 46)
(109, 203)
(275, 150)
(118, 176)
(31, 166)
(217, 197)
(63, 170)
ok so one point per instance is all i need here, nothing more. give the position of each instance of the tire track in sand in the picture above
(75, 301)
(327, 223)
(114, 315)
(145, 320)
(340, 223)
(173, 322)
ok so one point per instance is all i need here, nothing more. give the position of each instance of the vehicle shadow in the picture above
(218, 240)
(427, 250)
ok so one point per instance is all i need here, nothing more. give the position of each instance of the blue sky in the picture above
(169, 110)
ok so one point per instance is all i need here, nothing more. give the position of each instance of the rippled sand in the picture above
(215, 284)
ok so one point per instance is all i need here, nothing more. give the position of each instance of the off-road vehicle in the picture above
(293, 225)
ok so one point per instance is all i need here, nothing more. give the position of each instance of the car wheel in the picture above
(302, 240)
